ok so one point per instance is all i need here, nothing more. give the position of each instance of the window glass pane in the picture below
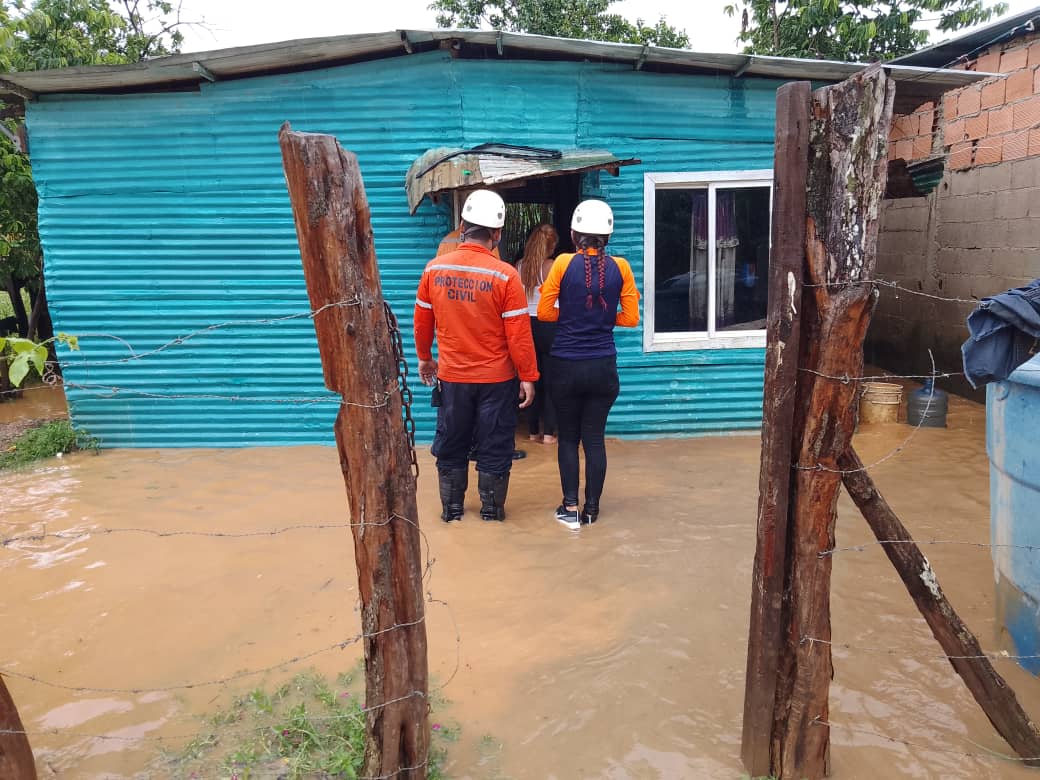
(681, 260)
(742, 257)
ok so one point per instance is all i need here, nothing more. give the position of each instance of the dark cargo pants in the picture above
(484, 414)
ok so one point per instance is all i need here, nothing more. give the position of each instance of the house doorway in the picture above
(533, 202)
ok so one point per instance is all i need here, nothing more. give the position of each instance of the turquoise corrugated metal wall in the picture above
(163, 214)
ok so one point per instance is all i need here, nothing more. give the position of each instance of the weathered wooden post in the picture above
(990, 690)
(783, 327)
(16, 756)
(360, 363)
(848, 135)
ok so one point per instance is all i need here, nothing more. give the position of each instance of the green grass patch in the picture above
(45, 441)
(308, 728)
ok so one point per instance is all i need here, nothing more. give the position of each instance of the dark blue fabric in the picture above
(1003, 334)
(541, 414)
(482, 413)
(584, 331)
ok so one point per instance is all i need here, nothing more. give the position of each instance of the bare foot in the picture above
(535, 437)
(548, 439)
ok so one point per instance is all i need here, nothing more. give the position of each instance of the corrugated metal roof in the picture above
(199, 67)
(946, 53)
(443, 169)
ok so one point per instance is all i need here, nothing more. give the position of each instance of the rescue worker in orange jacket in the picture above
(476, 306)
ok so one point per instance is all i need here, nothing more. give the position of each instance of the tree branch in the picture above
(14, 138)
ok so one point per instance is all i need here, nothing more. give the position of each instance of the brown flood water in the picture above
(36, 403)
(616, 652)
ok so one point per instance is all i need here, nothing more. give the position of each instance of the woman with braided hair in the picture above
(589, 287)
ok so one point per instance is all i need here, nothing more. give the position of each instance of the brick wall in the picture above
(978, 233)
(993, 121)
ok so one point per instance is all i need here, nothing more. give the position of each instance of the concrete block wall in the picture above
(978, 233)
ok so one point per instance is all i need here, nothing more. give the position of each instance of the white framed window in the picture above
(706, 259)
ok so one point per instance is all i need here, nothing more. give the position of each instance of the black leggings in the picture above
(583, 392)
(541, 415)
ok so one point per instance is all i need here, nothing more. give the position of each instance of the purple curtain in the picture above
(725, 215)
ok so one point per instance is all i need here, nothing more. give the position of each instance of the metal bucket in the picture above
(880, 402)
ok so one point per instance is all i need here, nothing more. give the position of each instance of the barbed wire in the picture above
(893, 453)
(987, 752)
(10, 541)
(999, 655)
(846, 379)
(865, 545)
(891, 285)
(186, 686)
(134, 355)
(381, 401)
(7, 541)
(221, 680)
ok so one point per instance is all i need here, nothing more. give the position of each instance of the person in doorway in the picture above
(589, 286)
(475, 305)
(533, 268)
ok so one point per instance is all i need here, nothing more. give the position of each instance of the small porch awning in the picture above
(445, 169)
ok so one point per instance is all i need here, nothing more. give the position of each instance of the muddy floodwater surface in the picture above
(616, 652)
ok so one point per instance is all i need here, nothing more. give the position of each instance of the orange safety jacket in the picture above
(478, 308)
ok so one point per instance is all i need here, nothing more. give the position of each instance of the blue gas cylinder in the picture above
(927, 407)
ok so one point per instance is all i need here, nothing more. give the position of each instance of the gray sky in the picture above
(246, 22)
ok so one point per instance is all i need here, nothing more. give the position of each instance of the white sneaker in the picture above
(568, 517)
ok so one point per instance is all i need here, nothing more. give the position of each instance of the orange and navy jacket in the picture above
(478, 307)
(588, 313)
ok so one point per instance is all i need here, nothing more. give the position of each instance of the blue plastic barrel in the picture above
(1013, 444)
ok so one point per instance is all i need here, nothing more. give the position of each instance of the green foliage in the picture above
(40, 34)
(7, 308)
(23, 354)
(305, 728)
(46, 441)
(851, 30)
(62, 33)
(588, 19)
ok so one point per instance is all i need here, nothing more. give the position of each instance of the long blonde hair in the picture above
(540, 245)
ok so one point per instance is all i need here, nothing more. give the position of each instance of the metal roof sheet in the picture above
(945, 53)
(181, 70)
(443, 169)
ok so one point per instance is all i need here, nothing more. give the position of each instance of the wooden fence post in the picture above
(990, 690)
(16, 756)
(847, 164)
(783, 326)
(359, 362)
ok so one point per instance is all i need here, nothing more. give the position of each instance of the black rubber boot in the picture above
(492, 491)
(453, 484)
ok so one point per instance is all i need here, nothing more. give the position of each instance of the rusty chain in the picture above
(402, 385)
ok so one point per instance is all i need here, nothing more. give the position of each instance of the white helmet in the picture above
(593, 217)
(484, 208)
